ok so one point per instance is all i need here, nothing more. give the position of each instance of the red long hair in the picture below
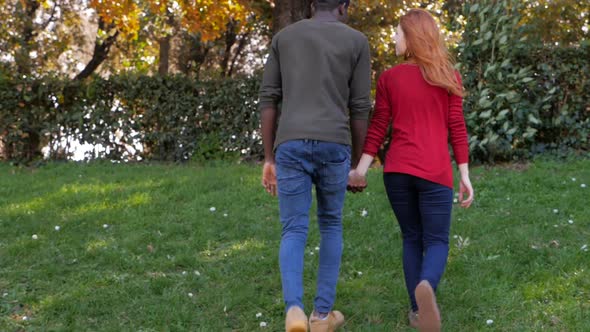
(426, 47)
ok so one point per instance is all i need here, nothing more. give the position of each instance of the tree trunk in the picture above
(243, 41)
(31, 138)
(200, 58)
(4, 150)
(164, 64)
(230, 39)
(287, 12)
(101, 51)
(23, 58)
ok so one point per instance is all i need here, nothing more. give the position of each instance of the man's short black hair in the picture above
(330, 4)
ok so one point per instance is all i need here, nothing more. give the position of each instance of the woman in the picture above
(422, 100)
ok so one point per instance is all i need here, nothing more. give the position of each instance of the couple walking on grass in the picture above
(319, 72)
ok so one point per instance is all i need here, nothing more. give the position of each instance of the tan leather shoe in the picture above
(429, 319)
(334, 321)
(296, 320)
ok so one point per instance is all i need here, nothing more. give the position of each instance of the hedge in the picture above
(130, 117)
(522, 99)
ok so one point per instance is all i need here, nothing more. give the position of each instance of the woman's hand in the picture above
(466, 194)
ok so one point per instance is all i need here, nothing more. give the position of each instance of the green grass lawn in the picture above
(140, 248)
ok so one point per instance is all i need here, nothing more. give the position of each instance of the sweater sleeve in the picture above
(359, 102)
(457, 128)
(380, 120)
(271, 92)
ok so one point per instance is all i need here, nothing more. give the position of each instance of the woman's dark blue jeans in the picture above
(423, 211)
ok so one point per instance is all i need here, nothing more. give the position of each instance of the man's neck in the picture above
(325, 16)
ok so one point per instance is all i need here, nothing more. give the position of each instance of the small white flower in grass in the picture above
(574, 179)
(258, 315)
(57, 228)
(571, 222)
(317, 248)
(489, 322)
(311, 253)
(364, 213)
(359, 273)
(212, 209)
(583, 185)
(225, 215)
(35, 237)
(462, 243)
(105, 226)
(5, 295)
(455, 236)
(262, 324)
(25, 318)
(190, 294)
(455, 200)
(197, 273)
(584, 247)
(183, 273)
(555, 211)
(555, 226)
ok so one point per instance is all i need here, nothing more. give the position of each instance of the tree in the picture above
(557, 22)
(208, 20)
(378, 20)
(115, 18)
(35, 33)
(289, 11)
(224, 52)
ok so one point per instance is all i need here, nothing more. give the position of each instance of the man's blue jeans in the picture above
(299, 164)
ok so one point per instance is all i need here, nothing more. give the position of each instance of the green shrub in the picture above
(522, 98)
(167, 118)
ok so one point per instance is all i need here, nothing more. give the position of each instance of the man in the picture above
(319, 70)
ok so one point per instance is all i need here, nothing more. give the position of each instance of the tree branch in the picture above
(51, 18)
(101, 51)
(241, 46)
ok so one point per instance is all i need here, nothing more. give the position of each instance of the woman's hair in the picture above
(426, 47)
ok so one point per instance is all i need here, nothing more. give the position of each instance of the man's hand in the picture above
(269, 178)
(356, 182)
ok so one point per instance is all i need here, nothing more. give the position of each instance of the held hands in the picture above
(269, 177)
(356, 182)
